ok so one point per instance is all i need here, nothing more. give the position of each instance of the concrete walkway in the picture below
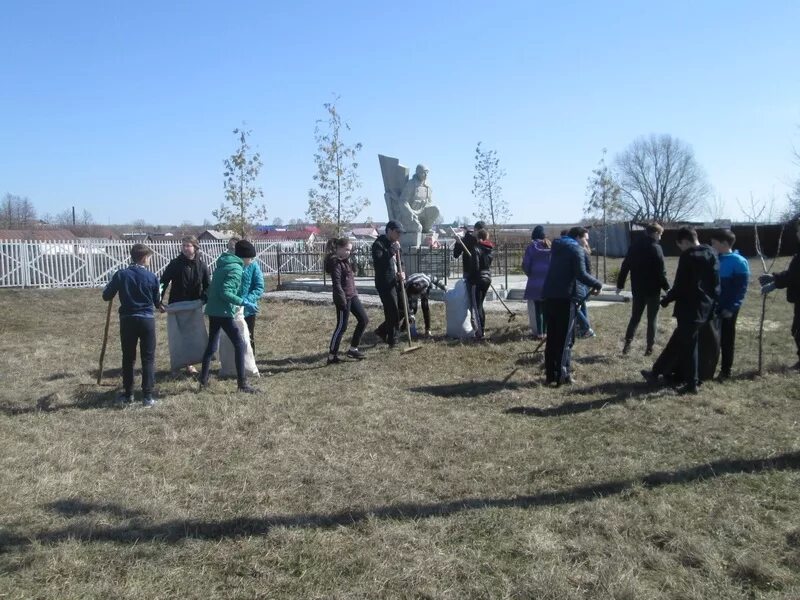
(307, 288)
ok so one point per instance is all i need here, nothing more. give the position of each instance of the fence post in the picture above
(89, 251)
(446, 263)
(26, 271)
(505, 264)
(279, 266)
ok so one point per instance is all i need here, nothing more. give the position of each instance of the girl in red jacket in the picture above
(346, 300)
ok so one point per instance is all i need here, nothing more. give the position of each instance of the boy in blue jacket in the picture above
(734, 277)
(138, 295)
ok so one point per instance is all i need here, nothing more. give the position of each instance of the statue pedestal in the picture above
(411, 240)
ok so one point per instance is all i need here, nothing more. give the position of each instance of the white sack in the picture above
(227, 355)
(456, 303)
(186, 331)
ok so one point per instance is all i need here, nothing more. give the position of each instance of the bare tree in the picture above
(335, 202)
(16, 212)
(241, 209)
(661, 180)
(486, 188)
(604, 203)
(716, 208)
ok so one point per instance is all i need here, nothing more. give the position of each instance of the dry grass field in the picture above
(450, 472)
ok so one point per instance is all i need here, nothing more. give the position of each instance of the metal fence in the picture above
(91, 262)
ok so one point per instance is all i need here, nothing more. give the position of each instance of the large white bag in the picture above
(186, 331)
(227, 355)
(456, 304)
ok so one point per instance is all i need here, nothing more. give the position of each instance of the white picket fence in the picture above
(92, 262)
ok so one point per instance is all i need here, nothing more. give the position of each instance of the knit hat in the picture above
(244, 249)
(480, 225)
(538, 233)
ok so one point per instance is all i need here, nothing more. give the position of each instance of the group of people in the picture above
(233, 292)
(708, 290)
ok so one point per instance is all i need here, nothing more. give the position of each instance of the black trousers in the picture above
(225, 324)
(796, 327)
(391, 314)
(686, 335)
(727, 341)
(343, 313)
(560, 338)
(477, 294)
(141, 331)
(640, 302)
(251, 328)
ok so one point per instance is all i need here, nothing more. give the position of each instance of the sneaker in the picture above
(568, 380)
(648, 351)
(356, 353)
(203, 381)
(191, 370)
(723, 375)
(333, 360)
(148, 401)
(589, 333)
(246, 389)
(627, 347)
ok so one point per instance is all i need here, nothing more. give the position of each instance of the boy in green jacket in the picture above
(223, 300)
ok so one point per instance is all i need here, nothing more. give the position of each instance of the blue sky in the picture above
(126, 109)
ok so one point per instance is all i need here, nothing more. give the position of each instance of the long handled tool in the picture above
(511, 314)
(403, 293)
(105, 342)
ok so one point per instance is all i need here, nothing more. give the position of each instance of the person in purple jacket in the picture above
(345, 297)
(535, 264)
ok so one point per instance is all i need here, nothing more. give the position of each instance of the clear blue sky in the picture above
(126, 108)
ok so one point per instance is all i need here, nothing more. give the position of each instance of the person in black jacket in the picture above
(790, 281)
(386, 261)
(695, 292)
(479, 279)
(561, 295)
(645, 263)
(187, 278)
(470, 240)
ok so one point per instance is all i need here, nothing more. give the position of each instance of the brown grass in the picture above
(450, 472)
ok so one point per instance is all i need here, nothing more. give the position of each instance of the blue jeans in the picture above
(582, 319)
(239, 347)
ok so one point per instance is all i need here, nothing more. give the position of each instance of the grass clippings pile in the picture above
(450, 472)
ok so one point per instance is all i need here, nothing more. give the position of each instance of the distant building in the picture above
(161, 237)
(215, 234)
(306, 234)
(37, 234)
(363, 233)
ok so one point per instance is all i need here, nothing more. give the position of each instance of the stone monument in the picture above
(408, 200)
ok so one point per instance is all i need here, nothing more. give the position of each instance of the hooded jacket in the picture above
(252, 286)
(223, 293)
(734, 277)
(645, 262)
(342, 280)
(480, 263)
(567, 268)
(470, 241)
(535, 264)
(696, 288)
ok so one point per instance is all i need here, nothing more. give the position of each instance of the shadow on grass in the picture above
(180, 530)
(293, 363)
(87, 401)
(473, 389)
(623, 392)
(74, 507)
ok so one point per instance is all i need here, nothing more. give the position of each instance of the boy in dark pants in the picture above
(138, 293)
(385, 259)
(734, 277)
(223, 301)
(645, 263)
(560, 292)
(789, 280)
(695, 293)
